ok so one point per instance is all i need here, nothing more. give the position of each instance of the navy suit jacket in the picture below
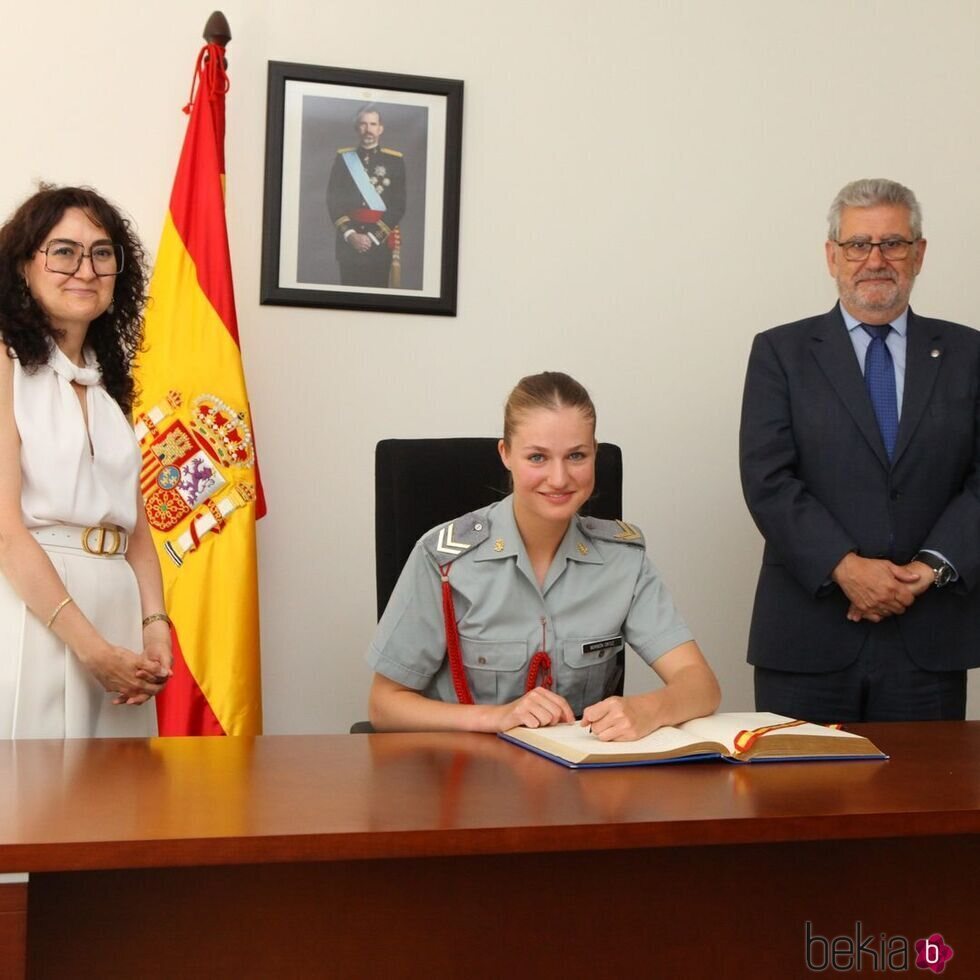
(819, 484)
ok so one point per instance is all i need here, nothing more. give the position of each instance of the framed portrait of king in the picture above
(362, 181)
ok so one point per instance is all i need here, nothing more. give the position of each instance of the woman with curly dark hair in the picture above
(78, 570)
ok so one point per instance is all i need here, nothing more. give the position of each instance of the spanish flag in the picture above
(200, 482)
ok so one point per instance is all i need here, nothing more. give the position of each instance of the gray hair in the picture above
(869, 192)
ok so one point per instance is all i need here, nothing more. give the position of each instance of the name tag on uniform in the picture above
(603, 646)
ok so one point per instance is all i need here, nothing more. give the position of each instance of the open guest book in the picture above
(735, 736)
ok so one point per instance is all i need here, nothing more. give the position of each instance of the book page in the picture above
(723, 727)
(575, 742)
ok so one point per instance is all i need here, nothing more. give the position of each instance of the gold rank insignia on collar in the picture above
(629, 533)
(583, 549)
(498, 545)
(601, 529)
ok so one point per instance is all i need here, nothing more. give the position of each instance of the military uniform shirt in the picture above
(599, 593)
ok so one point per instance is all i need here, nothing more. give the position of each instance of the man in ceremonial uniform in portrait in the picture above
(366, 201)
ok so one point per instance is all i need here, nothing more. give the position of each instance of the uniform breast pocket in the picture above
(590, 669)
(496, 671)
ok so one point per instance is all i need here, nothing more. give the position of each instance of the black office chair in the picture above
(420, 483)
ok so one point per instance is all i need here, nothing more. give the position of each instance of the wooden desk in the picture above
(462, 855)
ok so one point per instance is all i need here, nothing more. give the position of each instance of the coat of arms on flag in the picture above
(197, 468)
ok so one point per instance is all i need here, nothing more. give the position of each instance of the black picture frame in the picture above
(312, 115)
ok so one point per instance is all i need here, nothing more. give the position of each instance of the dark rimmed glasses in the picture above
(892, 249)
(64, 256)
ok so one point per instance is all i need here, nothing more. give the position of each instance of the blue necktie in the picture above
(879, 376)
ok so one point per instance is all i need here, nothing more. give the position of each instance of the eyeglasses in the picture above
(892, 249)
(64, 256)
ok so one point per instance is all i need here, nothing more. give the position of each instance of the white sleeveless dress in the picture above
(84, 478)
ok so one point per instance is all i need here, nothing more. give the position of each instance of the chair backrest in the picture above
(419, 483)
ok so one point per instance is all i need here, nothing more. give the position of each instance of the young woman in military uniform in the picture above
(514, 614)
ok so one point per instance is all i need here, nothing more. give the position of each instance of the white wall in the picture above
(644, 185)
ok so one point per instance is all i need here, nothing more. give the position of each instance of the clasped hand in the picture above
(360, 242)
(878, 588)
(132, 677)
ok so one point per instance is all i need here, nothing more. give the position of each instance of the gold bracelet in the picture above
(157, 617)
(57, 609)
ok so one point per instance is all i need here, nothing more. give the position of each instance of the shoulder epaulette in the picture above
(448, 541)
(346, 149)
(391, 153)
(618, 531)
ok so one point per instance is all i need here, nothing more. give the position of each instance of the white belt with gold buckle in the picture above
(102, 542)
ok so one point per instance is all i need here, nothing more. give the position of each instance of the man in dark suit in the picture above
(366, 201)
(859, 450)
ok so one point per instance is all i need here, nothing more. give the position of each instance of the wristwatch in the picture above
(941, 570)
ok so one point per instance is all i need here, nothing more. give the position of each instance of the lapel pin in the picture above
(934, 352)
